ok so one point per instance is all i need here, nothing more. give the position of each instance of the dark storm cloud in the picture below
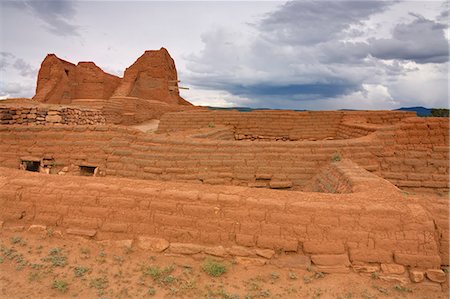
(312, 22)
(422, 41)
(293, 92)
(56, 14)
(298, 53)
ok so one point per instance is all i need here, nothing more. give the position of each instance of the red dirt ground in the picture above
(30, 263)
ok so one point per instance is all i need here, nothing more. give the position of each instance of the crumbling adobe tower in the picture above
(59, 81)
(153, 77)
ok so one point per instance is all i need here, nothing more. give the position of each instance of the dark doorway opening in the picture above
(31, 165)
(67, 72)
(88, 170)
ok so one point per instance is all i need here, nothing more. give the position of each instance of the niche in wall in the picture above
(31, 165)
(88, 170)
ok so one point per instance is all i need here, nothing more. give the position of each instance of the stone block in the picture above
(392, 268)
(267, 253)
(421, 261)
(216, 251)
(330, 259)
(153, 244)
(436, 275)
(292, 261)
(323, 247)
(365, 268)
(185, 248)
(240, 251)
(251, 261)
(394, 278)
(416, 275)
(36, 228)
(81, 232)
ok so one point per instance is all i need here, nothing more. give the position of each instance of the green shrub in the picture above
(336, 157)
(60, 285)
(214, 268)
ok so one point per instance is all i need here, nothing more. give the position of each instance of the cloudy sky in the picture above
(277, 54)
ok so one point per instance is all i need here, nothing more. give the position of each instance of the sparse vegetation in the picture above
(16, 239)
(375, 275)
(336, 157)
(292, 275)
(211, 124)
(214, 268)
(60, 285)
(307, 279)
(381, 289)
(80, 271)
(401, 288)
(99, 284)
(56, 258)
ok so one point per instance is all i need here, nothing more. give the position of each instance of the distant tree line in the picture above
(439, 112)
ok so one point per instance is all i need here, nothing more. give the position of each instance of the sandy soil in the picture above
(45, 265)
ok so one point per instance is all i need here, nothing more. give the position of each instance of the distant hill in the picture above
(421, 111)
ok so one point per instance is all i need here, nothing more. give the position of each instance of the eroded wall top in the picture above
(152, 77)
(60, 81)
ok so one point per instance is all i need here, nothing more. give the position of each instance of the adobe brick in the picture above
(323, 247)
(274, 243)
(161, 206)
(420, 261)
(200, 211)
(371, 255)
(171, 220)
(114, 227)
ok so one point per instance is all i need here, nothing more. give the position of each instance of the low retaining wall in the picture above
(333, 229)
(310, 125)
(49, 115)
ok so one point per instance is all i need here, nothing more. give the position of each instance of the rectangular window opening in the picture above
(30, 165)
(88, 170)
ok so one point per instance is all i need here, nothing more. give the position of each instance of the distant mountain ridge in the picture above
(421, 111)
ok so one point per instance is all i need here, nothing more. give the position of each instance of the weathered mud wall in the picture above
(152, 77)
(128, 153)
(415, 154)
(60, 81)
(313, 125)
(419, 160)
(360, 227)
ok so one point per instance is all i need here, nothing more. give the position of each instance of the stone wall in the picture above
(49, 115)
(365, 228)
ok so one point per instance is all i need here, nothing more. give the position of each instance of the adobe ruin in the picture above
(349, 190)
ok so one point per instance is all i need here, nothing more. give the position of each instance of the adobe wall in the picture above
(60, 81)
(415, 154)
(48, 115)
(125, 152)
(403, 154)
(312, 125)
(333, 229)
(345, 176)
